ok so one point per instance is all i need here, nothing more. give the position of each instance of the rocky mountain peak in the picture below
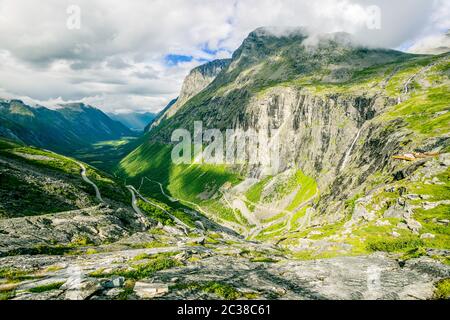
(197, 80)
(212, 68)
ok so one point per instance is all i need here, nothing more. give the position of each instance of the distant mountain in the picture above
(64, 130)
(160, 115)
(135, 121)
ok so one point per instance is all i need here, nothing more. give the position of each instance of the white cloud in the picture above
(117, 58)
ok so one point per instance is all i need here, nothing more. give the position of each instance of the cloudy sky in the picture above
(134, 54)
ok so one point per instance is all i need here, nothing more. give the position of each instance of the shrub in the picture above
(442, 289)
(394, 245)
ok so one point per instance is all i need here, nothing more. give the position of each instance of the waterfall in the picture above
(349, 151)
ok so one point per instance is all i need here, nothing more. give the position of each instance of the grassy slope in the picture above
(30, 193)
(184, 182)
(106, 154)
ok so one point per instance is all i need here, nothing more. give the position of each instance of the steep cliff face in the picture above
(197, 80)
(345, 117)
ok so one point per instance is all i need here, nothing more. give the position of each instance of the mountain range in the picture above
(65, 129)
(361, 188)
(356, 126)
(136, 121)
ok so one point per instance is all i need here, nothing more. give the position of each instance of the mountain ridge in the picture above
(66, 129)
(199, 78)
(346, 114)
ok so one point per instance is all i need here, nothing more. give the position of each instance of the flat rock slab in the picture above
(351, 278)
(80, 289)
(376, 276)
(148, 290)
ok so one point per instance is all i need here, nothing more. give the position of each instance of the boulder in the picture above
(413, 225)
(80, 289)
(148, 290)
(361, 212)
(393, 212)
(115, 282)
(114, 292)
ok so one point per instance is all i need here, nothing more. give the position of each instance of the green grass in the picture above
(185, 182)
(274, 217)
(420, 111)
(396, 244)
(442, 290)
(36, 197)
(6, 295)
(161, 216)
(351, 203)
(220, 210)
(141, 256)
(308, 189)
(73, 248)
(253, 194)
(221, 289)
(311, 255)
(47, 287)
(144, 270)
(429, 225)
(149, 245)
(57, 162)
(127, 290)
(8, 144)
(81, 241)
(272, 232)
(105, 155)
(435, 191)
(182, 181)
(263, 259)
(16, 275)
(108, 186)
(145, 256)
(21, 197)
(156, 213)
(299, 214)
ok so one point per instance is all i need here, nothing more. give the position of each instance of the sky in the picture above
(133, 55)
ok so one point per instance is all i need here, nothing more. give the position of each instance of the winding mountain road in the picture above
(172, 199)
(224, 223)
(133, 191)
(134, 201)
(86, 179)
